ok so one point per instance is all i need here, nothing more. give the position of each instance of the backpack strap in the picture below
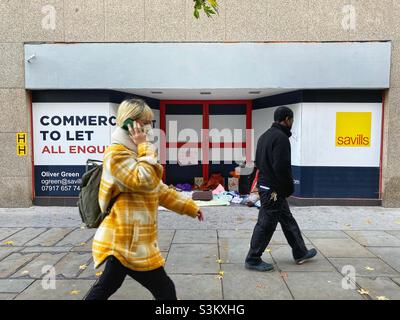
(88, 161)
(112, 201)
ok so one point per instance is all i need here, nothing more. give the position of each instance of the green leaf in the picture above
(198, 5)
(213, 3)
(205, 6)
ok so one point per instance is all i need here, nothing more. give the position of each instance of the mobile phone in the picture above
(126, 122)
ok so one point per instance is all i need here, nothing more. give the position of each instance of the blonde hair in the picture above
(134, 109)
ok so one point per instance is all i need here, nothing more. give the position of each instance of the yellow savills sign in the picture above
(353, 129)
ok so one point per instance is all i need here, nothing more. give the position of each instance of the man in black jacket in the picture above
(275, 184)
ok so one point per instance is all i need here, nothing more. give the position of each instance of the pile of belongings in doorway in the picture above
(241, 189)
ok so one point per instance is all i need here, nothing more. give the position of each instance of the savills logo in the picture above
(353, 129)
(359, 141)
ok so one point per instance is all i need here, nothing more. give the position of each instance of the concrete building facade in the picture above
(24, 24)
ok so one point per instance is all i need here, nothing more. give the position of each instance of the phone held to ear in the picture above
(147, 129)
(128, 121)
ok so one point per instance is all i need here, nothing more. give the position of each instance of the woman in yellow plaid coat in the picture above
(127, 237)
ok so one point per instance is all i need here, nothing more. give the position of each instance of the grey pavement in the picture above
(205, 260)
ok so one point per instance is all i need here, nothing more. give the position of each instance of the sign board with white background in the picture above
(65, 136)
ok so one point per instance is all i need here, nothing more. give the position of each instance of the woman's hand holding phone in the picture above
(136, 133)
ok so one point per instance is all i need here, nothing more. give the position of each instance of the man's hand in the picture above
(200, 215)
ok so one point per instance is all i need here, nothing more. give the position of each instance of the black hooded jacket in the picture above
(273, 160)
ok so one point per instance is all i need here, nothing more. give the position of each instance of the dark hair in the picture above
(282, 113)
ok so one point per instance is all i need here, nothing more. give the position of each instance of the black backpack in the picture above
(88, 202)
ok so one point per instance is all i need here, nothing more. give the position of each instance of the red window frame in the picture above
(205, 126)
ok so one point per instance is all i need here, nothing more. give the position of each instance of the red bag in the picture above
(215, 180)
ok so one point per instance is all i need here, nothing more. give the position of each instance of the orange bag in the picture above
(213, 182)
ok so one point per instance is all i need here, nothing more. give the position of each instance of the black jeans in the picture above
(156, 281)
(271, 212)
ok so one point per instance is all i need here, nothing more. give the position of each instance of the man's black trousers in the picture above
(271, 212)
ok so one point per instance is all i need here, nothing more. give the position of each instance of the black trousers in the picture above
(156, 281)
(271, 212)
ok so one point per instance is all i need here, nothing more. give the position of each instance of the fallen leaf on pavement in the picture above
(260, 286)
(9, 243)
(268, 250)
(219, 277)
(362, 291)
(368, 221)
(369, 268)
(220, 261)
(82, 244)
(82, 267)
(382, 298)
(98, 274)
(74, 292)
(284, 275)
(25, 272)
(221, 273)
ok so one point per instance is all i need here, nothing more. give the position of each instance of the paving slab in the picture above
(76, 237)
(283, 257)
(396, 280)
(6, 251)
(364, 266)
(326, 234)
(13, 262)
(131, 290)
(374, 238)
(22, 237)
(277, 238)
(380, 286)
(90, 272)
(46, 249)
(34, 269)
(341, 248)
(235, 233)
(192, 259)
(7, 232)
(165, 239)
(390, 255)
(242, 284)
(14, 285)
(68, 266)
(65, 290)
(319, 286)
(7, 296)
(50, 237)
(196, 273)
(395, 233)
(84, 246)
(235, 251)
(197, 287)
(309, 218)
(195, 236)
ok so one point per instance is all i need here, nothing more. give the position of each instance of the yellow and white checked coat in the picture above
(129, 232)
